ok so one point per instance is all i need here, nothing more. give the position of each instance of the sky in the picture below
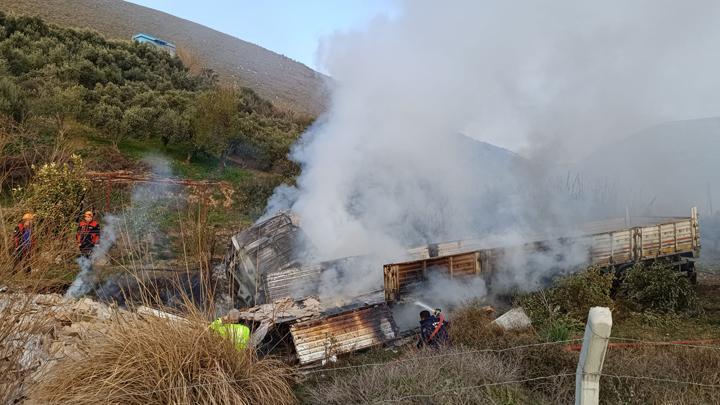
(290, 28)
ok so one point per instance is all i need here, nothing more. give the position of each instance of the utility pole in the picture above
(592, 356)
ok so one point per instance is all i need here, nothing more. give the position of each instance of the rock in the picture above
(515, 318)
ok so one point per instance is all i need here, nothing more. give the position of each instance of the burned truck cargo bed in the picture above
(609, 244)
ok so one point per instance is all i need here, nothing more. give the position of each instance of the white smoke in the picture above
(385, 169)
(85, 281)
(138, 220)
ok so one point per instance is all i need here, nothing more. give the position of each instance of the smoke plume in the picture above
(85, 281)
(386, 168)
(136, 222)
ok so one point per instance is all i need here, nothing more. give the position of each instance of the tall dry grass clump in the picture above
(158, 360)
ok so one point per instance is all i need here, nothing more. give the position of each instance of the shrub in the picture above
(658, 287)
(568, 301)
(576, 293)
(56, 192)
(558, 331)
(163, 361)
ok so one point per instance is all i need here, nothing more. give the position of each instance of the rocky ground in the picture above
(37, 330)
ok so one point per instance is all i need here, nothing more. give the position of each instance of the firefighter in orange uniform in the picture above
(88, 234)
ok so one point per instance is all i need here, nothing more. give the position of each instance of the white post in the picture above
(592, 355)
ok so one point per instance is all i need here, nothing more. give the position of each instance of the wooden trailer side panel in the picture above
(400, 278)
(611, 247)
(667, 239)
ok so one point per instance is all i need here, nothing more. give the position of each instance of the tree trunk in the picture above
(223, 161)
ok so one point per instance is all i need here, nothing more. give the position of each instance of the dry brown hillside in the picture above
(287, 83)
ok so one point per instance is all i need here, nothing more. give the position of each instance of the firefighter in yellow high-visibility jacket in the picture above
(238, 333)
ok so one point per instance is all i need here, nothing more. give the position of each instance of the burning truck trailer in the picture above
(274, 288)
(615, 244)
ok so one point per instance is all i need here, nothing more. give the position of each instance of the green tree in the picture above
(13, 101)
(108, 118)
(60, 104)
(215, 122)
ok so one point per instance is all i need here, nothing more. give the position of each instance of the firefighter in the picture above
(433, 330)
(238, 333)
(24, 240)
(88, 234)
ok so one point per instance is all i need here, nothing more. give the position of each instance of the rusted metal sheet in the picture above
(293, 282)
(261, 249)
(344, 332)
(303, 281)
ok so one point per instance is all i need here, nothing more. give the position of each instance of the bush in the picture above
(163, 361)
(56, 192)
(566, 304)
(558, 331)
(658, 287)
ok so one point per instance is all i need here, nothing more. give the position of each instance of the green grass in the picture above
(201, 167)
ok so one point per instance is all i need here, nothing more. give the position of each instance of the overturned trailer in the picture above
(613, 244)
(275, 287)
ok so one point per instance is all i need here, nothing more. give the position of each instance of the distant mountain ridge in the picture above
(669, 167)
(286, 83)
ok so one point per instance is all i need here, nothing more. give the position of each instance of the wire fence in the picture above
(459, 389)
(479, 386)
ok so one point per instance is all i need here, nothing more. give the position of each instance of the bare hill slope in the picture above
(285, 82)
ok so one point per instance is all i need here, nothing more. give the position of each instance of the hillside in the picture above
(640, 164)
(287, 83)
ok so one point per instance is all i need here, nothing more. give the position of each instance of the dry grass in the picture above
(422, 377)
(698, 365)
(471, 327)
(148, 361)
(471, 330)
(51, 265)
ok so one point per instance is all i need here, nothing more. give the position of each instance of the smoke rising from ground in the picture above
(386, 168)
(85, 281)
(136, 224)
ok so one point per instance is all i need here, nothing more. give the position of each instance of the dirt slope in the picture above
(287, 83)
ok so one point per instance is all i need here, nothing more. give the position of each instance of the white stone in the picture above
(515, 318)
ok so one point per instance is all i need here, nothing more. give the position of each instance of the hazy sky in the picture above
(291, 28)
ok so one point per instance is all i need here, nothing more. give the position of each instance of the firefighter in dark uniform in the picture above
(88, 234)
(433, 330)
